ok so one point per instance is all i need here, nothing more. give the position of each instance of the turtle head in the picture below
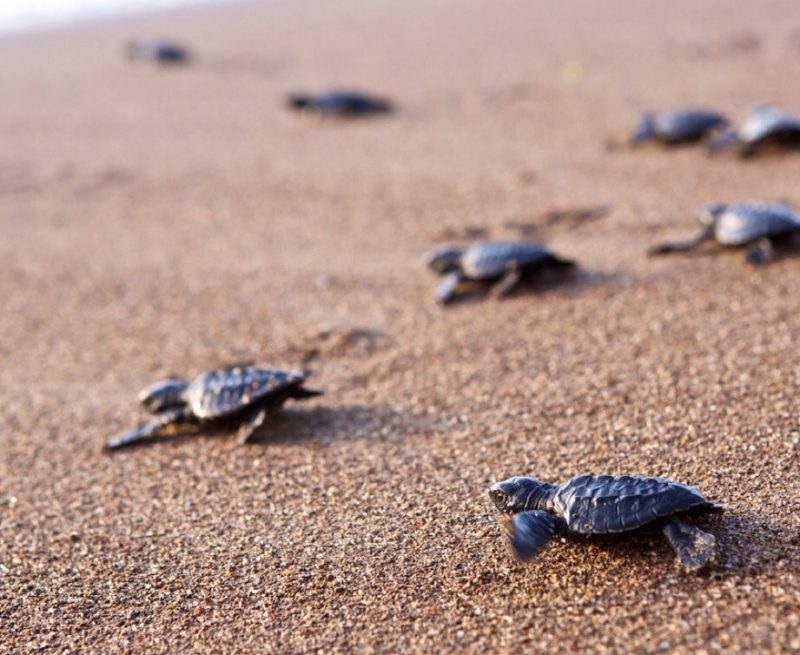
(299, 101)
(519, 494)
(445, 259)
(711, 213)
(645, 130)
(161, 395)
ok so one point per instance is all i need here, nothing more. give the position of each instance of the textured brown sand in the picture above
(169, 221)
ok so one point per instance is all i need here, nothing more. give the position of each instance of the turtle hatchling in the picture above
(340, 104)
(242, 394)
(765, 126)
(500, 263)
(161, 52)
(677, 127)
(596, 505)
(761, 227)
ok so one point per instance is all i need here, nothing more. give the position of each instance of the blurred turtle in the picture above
(590, 505)
(161, 52)
(341, 104)
(242, 393)
(765, 126)
(760, 227)
(677, 127)
(501, 263)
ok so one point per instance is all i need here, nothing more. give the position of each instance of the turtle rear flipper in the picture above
(680, 246)
(447, 289)
(555, 263)
(695, 549)
(299, 393)
(143, 432)
(668, 247)
(510, 279)
(531, 531)
(254, 421)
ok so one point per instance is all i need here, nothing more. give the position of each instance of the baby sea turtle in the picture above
(766, 125)
(161, 52)
(590, 505)
(678, 126)
(502, 263)
(758, 226)
(341, 104)
(241, 393)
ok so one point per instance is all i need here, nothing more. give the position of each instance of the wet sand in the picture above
(169, 221)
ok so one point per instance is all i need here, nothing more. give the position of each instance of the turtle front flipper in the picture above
(447, 289)
(531, 531)
(695, 549)
(143, 432)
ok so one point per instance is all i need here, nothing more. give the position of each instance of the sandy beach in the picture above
(169, 221)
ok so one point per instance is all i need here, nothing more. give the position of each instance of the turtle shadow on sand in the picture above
(340, 341)
(310, 426)
(648, 548)
(786, 146)
(747, 545)
(322, 426)
(475, 291)
(568, 218)
(542, 285)
(585, 279)
(754, 544)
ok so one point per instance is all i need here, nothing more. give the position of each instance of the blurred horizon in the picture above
(27, 15)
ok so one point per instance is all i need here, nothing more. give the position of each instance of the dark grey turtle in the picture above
(241, 393)
(342, 104)
(765, 125)
(678, 126)
(590, 505)
(161, 52)
(503, 263)
(758, 226)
